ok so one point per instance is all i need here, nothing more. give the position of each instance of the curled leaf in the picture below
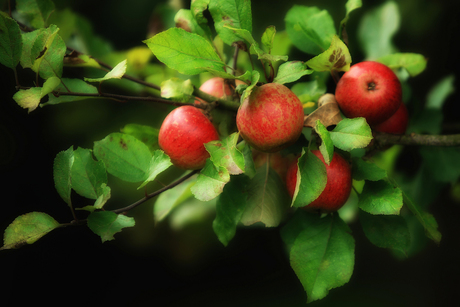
(328, 112)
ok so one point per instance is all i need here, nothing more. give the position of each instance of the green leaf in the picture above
(267, 199)
(124, 156)
(414, 63)
(245, 35)
(225, 153)
(104, 195)
(36, 12)
(116, 73)
(73, 85)
(10, 41)
(386, 231)
(322, 255)
(291, 71)
(188, 53)
(184, 19)
(30, 98)
(210, 182)
(309, 91)
(376, 30)
(426, 220)
(363, 170)
(27, 229)
(170, 199)
(87, 176)
(249, 168)
(336, 57)
(268, 38)
(43, 51)
(62, 174)
(327, 147)
(197, 8)
(309, 28)
(147, 134)
(350, 6)
(178, 89)
(106, 223)
(351, 133)
(160, 162)
(311, 179)
(381, 197)
(229, 208)
(230, 13)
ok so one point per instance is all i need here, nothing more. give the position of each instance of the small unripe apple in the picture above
(271, 118)
(397, 123)
(183, 134)
(370, 90)
(338, 186)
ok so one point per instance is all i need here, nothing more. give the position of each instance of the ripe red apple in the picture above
(183, 134)
(217, 87)
(397, 123)
(370, 90)
(338, 186)
(271, 118)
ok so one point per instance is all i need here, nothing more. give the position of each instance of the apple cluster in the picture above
(271, 118)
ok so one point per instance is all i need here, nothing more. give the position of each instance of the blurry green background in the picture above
(167, 266)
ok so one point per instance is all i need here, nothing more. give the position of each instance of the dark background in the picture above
(147, 265)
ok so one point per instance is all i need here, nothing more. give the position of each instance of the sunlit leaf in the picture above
(377, 28)
(309, 28)
(225, 153)
(30, 98)
(160, 162)
(291, 72)
(106, 223)
(230, 13)
(27, 229)
(414, 63)
(178, 89)
(116, 73)
(350, 6)
(268, 37)
(327, 147)
(336, 57)
(186, 52)
(351, 133)
(210, 182)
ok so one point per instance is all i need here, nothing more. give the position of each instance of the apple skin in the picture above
(338, 186)
(397, 123)
(370, 90)
(217, 87)
(183, 134)
(271, 118)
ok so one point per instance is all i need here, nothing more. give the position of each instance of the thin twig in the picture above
(385, 139)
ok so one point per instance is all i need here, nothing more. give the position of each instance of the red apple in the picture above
(338, 186)
(396, 124)
(217, 87)
(271, 118)
(183, 134)
(370, 90)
